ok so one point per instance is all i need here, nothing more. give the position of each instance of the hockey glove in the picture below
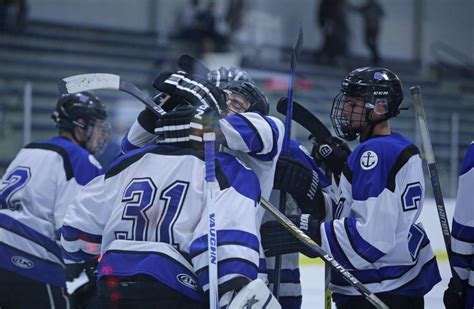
(204, 121)
(332, 152)
(452, 299)
(174, 126)
(277, 240)
(303, 185)
(194, 90)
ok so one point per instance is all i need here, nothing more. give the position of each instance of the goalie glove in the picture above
(303, 185)
(333, 152)
(194, 90)
(277, 240)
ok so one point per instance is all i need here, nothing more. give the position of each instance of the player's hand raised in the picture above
(194, 90)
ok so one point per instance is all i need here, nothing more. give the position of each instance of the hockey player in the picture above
(256, 139)
(34, 195)
(374, 232)
(462, 238)
(153, 219)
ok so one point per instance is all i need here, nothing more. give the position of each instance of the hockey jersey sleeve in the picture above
(84, 222)
(462, 238)
(237, 225)
(259, 136)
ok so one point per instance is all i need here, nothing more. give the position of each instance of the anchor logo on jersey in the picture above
(368, 160)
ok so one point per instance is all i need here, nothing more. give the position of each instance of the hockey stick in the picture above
(211, 193)
(193, 66)
(306, 119)
(320, 133)
(98, 81)
(315, 248)
(434, 178)
(295, 54)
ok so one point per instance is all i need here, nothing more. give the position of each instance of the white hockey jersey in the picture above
(150, 218)
(462, 238)
(35, 192)
(374, 234)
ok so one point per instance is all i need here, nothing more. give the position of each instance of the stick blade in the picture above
(191, 65)
(88, 82)
(305, 118)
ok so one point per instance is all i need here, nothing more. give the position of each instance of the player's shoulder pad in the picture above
(468, 162)
(78, 163)
(238, 176)
(373, 165)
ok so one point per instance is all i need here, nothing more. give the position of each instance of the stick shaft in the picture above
(313, 246)
(434, 177)
(211, 192)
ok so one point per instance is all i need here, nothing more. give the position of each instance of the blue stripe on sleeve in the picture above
(242, 179)
(463, 232)
(275, 134)
(335, 247)
(362, 247)
(247, 131)
(21, 229)
(229, 267)
(461, 260)
(126, 146)
(71, 234)
(225, 237)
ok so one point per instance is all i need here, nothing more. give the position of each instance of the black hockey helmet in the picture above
(257, 99)
(380, 91)
(86, 106)
(71, 107)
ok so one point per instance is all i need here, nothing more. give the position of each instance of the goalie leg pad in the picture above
(255, 295)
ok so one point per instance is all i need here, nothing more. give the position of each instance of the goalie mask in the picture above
(86, 111)
(244, 96)
(368, 96)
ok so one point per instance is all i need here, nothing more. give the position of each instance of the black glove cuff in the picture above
(147, 120)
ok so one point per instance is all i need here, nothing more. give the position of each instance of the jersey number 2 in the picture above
(411, 196)
(13, 182)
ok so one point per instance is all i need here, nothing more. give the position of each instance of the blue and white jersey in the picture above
(462, 238)
(374, 234)
(35, 192)
(150, 217)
